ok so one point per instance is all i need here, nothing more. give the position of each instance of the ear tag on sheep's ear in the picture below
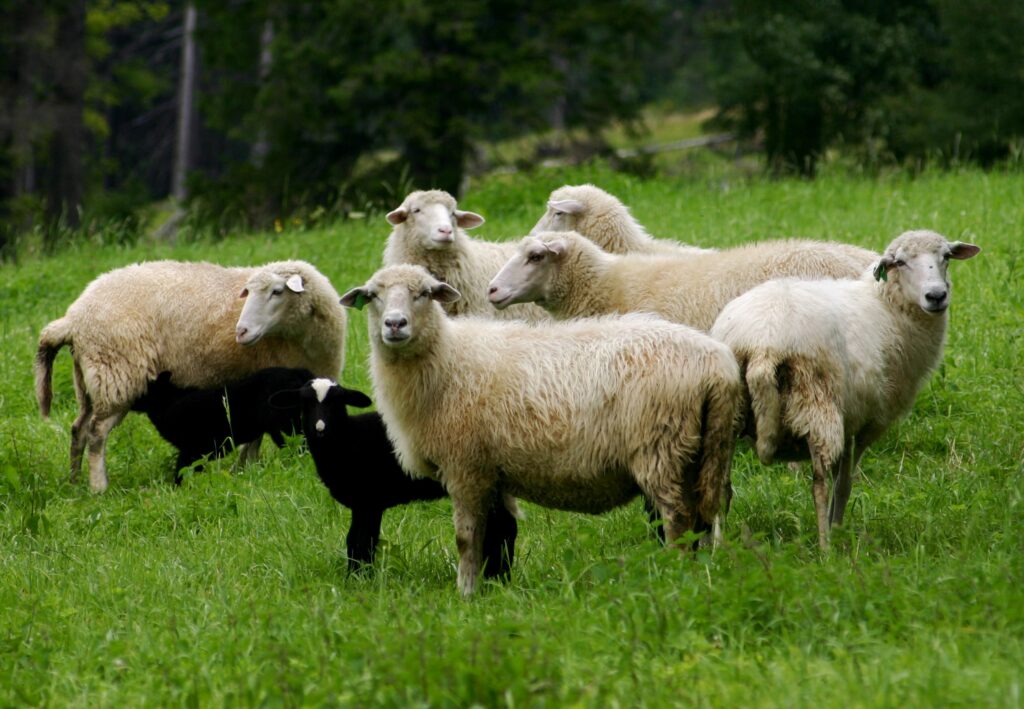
(294, 283)
(883, 274)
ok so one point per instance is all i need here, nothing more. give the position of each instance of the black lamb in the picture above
(355, 460)
(206, 422)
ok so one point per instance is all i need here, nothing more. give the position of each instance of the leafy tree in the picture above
(809, 73)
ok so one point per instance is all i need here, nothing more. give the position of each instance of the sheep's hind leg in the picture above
(842, 476)
(80, 428)
(249, 452)
(98, 431)
(819, 488)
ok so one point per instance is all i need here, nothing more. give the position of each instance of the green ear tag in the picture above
(360, 301)
(884, 274)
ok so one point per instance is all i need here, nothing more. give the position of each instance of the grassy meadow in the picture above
(233, 590)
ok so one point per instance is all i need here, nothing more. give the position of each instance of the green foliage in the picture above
(232, 588)
(808, 74)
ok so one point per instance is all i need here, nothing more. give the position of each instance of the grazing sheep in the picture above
(576, 416)
(831, 364)
(185, 318)
(569, 276)
(428, 231)
(207, 422)
(601, 217)
(356, 463)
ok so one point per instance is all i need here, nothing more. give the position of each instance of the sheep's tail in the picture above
(765, 402)
(53, 337)
(722, 408)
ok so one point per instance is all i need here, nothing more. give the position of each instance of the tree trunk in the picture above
(183, 151)
(67, 144)
(262, 146)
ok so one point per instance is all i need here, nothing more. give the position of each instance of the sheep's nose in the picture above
(446, 230)
(395, 322)
(492, 290)
(240, 331)
(936, 295)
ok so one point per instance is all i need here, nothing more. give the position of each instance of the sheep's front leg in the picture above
(470, 517)
(363, 536)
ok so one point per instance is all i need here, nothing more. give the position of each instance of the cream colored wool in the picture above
(133, 323)
(831, 364)
(576, 416)
(571, 277)
(465, 263)
(604, 219)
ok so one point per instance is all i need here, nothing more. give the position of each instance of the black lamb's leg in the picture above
(363, 535)
(277, 438)
(499, 542)
(185, 459)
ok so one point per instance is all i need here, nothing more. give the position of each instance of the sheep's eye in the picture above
(277, 291)
(900, 263)
(415, 210)
(425, 293)
(535, 258)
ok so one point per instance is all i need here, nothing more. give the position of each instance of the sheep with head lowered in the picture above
(429, 232)
(207, 422)
(577, 416)
(356, 463)
(571, 277)
(831, 364)
(133, 323)
(604, 219)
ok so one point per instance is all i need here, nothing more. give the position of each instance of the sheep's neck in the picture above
(590, 293)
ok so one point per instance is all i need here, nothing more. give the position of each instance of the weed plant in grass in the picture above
(232, 589)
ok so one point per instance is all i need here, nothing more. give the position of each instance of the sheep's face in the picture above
(527, 276)
(916, 264)
(401, 304)
(268, 301)
(323, 406)
(432, 220)
(561, 215)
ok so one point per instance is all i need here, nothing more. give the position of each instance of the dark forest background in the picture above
(241, 112)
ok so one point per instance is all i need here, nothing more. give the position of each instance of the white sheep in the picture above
(133, 323)
(570, 276)
(428, 231)
(576, 416)
(831, 364)
(605, 220)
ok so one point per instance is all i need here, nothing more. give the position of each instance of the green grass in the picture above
(232, 590)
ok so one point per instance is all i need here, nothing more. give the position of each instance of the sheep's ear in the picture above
(294, 283)
(397, 216)
(557, 247)
(881, 271)
(468, 220)
(444, 293)
(569, 206)
(962, 250)
(285, 399)
(358, 399)
(355, 298)
(244, 293)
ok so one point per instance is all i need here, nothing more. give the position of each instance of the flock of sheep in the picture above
(582, 366)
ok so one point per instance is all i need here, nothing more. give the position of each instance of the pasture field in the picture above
(232, 589)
